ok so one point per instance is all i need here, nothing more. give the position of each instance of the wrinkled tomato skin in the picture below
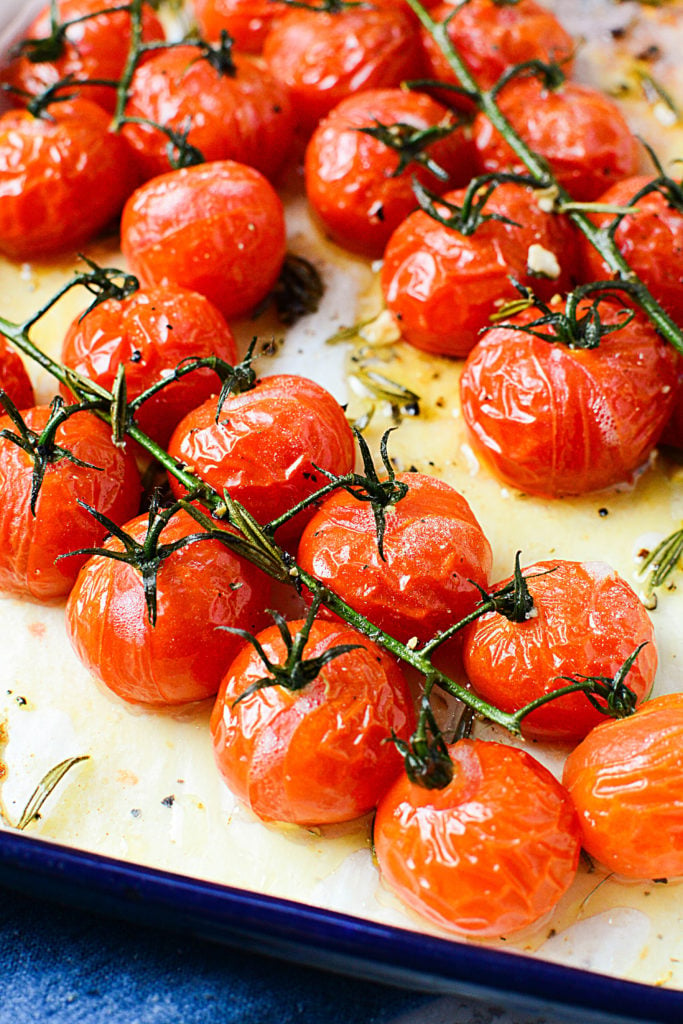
(30, 545)
(150, 333)
(216, 228)
(14, 380)
(245, 117)
(266, 446)
(443, 286)
(248, 22)
(434, 548)
(350, 177)
(490, 854)
(580, 132)
(96, 47)
(555, 420)
(320, 755)
(491, 37)
(625, 782)
(201, 588)
(586, 622)
(323, 58)
(650, 239)
(63, 177)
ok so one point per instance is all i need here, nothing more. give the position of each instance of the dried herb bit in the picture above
(45, 788)
(660, 564)
(410, 143)
(298, 291)
(402, 400)
(426, 759)
(609, 695)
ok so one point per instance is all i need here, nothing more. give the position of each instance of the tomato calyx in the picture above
(410, 143)
(513, 600)
(465, 219)
(609, 695)
(426, 759)
(327, 6)
(551, 76)
(219, 55)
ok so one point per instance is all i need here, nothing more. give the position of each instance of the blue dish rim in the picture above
(324, 939)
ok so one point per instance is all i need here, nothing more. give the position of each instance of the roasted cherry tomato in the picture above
(491, 37)
(63, 177)
(150, 333)
(320, 754)
(586, 621)
(323, 57)
(433, 546)
(673, 431)
(14, 380)
(625, 782)
(216, 228)
(580, 132)
(489, 854)
(361, 186)
(443, 283)
(266, 446)
(239, 113)
(554, 420)
(650, 238)
(30, 544)
(200, 588)
(94, 46)
(246, 21)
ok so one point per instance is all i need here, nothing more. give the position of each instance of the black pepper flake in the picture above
(136, 355)
(168, 801)
(135, 812)
(602, 512)
(21, 701)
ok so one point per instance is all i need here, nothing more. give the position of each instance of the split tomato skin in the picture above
(433, 546)
(556, 420)
(267, 445)
(30, 545)
(150, 332)
(625, 782)
(319, 755)
(215, 228)
(587, 621)
(14, 380)
(351, 180)
(489, 854)
(63, 177)
(248, 22)
(201, 588)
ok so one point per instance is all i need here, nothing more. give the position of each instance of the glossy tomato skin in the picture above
(587, 621)
(442, 286)
(579, 131)
(650, 239)
(216, 228)
(556, 420)
(625, 782)
(63, 177)
(434, 548)
(491, 37)
(245, 116)
(322, 754)
(673, 431)
(14, 380)
(490, 854)
(95, 47)
(150, 333)
(201, 588)
(30, 545)
(266, 446)
(350, 176)
(248, 22)
(322, 58)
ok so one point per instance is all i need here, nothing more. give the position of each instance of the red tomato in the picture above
(63, 177)
(30, 544)
(217, 228)
(434, 548)
(201, 587)
(266, 446)
(14, 380)
(651, 240)
(491, 37)
(555, 420)
(95, 47)
(443, 286)
(244, 116)
(488, 855)
(351, 179)
(150, 333)
(321, 754)
(587, 621)
(625, 782)
(579, 131)
(673, 431)
(246, 21)
(324, 57)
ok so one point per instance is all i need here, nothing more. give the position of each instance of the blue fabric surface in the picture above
(61, 965)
